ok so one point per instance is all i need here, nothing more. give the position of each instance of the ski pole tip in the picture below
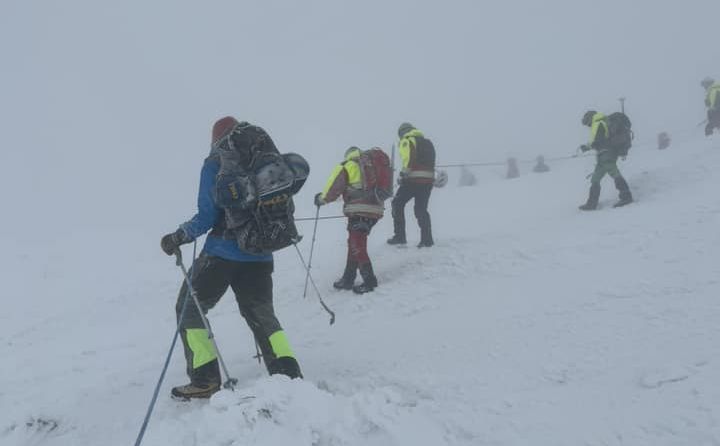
(230, 383)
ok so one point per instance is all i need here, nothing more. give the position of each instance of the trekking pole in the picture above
(622, 104)
(312, 248)
(703, 123)
(230, 382)
(156, 392)
(312, 281)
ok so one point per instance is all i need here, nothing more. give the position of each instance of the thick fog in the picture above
(106, 107)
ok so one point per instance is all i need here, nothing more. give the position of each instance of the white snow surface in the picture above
(529, 322)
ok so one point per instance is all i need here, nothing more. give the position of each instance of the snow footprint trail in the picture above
(282, 411)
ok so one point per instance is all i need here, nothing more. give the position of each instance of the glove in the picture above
(319, 200)
(585, 148)
(401, 177)
(171, 242)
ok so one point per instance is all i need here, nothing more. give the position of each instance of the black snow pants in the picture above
(421, 193)
(252, 285)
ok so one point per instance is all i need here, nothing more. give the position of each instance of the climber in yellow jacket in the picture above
(416, 182)
(362, 212)
(712, 102)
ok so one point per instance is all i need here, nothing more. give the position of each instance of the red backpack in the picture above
(376, 174)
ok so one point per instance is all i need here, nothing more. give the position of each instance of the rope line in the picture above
(641, 143)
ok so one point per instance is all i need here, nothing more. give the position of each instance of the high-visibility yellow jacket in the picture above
(346, 181)
(411, 170)
(599, 133)
(712, 100)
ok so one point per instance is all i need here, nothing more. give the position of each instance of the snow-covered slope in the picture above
(529, 323)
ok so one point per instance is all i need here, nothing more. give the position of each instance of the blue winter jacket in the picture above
(210, 216)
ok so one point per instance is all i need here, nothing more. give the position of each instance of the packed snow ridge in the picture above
(529, 322)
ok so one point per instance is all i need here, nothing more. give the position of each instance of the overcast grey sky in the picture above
(119, 96)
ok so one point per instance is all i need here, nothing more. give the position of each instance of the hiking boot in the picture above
(369, 280)
(190, 391)
(287, 366)
(625, 195)
(363, 288)
(587, 207)
(344, 283)
(426, 238)
(395, 240)
(347, 280)
(623, 201)
(593, 198)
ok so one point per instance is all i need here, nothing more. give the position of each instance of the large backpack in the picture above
(424, 154)
(377, 174)
(620, 133)
(255, 186)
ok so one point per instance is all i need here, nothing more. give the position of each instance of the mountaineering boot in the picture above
(344, 283)
(369, 279)
(395, 240)
(426, 238)
(593, 198)
(625, 194)
(347, 280)
(287, 366)
(190, 391)
(204, 382)
(622, 202)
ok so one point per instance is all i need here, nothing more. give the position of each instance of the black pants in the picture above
(421, 194)
(713, 121)
(253, 287)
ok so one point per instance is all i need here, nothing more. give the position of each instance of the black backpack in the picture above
(620, 134)
(424, 153)
(255, 187)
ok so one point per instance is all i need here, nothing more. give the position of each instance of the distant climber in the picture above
(712, 102)
(663, 140)
(607, 156)
(512, 168)
(467, 178)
